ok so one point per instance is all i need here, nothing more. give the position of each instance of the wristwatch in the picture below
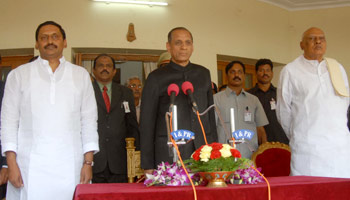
(91, 163)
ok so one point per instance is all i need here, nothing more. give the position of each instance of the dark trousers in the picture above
(3, 191)
(108, 177)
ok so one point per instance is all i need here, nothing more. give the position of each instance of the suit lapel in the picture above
(116, 96)
(98, 94)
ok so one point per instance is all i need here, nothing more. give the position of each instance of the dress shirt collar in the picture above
(109, 86)
(229, 92)
(313, 65)
(312, 62)
(45, 63)
(179, 67)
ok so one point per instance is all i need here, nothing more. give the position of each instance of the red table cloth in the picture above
(289, 187)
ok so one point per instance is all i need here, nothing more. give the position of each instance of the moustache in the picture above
(237, 78)
(105, 71)
(50, 45)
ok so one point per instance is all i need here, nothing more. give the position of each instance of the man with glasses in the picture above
(313, 98)
(135, 84)
(116, 121)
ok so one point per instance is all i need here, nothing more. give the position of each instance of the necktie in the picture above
(106, 98)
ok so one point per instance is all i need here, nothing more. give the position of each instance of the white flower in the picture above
(149, 176)
(205, 156)
(205, 153)
(226, 147)
(206, 149)
(225, 153)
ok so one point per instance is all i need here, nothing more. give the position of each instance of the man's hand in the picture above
(262, 138)
(86, 174)
(4, 176)
(14, 174)
(86, 170)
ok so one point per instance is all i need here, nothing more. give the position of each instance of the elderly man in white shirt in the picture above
(312, 109)
(48, 123)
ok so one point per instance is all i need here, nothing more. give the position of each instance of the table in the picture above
(289, 187)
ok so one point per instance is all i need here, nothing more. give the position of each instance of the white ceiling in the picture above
(307, 4)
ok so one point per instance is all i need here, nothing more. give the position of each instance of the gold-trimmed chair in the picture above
(133, 160)
(273, 158)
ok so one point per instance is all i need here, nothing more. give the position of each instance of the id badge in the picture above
(247, 116)
(126, 106)
(273, 104)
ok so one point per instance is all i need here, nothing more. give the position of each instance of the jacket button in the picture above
(107, 140)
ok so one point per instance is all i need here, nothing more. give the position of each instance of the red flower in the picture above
(196, 155)
(235, 153)
(215, 154)
(216, 146)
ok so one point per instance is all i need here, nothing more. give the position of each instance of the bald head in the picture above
(313, 44)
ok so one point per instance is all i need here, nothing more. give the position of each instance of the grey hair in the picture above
(131, 78)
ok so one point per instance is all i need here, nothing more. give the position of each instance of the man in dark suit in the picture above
(156, 102)
(116, 121)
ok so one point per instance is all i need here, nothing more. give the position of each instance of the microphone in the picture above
(187, 89)
(173, 91)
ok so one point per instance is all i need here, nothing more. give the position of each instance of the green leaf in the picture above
(220, 164)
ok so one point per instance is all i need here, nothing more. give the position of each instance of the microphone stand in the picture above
(174, 124)
(232, 141)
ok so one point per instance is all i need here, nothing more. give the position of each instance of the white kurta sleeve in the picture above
(89, 117)
(10, 112)
(284, 102)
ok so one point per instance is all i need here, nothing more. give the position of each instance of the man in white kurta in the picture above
(49, 123)
(313, 114)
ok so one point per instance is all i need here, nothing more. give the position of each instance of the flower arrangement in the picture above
(166, 174)
(216, 157)
(246, 176)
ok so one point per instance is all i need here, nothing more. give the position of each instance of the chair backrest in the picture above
(133, 160)
(273, 158)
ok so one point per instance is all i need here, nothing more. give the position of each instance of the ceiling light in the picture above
(150, 3)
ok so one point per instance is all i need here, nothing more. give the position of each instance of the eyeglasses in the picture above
(135, 86)
(315, 38)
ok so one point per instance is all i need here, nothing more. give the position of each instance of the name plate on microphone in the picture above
(243, 134)
(182, 135)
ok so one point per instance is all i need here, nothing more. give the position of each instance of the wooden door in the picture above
(10, 62)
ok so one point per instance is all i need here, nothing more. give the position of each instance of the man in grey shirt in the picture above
(248, 111)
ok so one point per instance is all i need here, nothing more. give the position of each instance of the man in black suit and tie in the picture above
(116, 121)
